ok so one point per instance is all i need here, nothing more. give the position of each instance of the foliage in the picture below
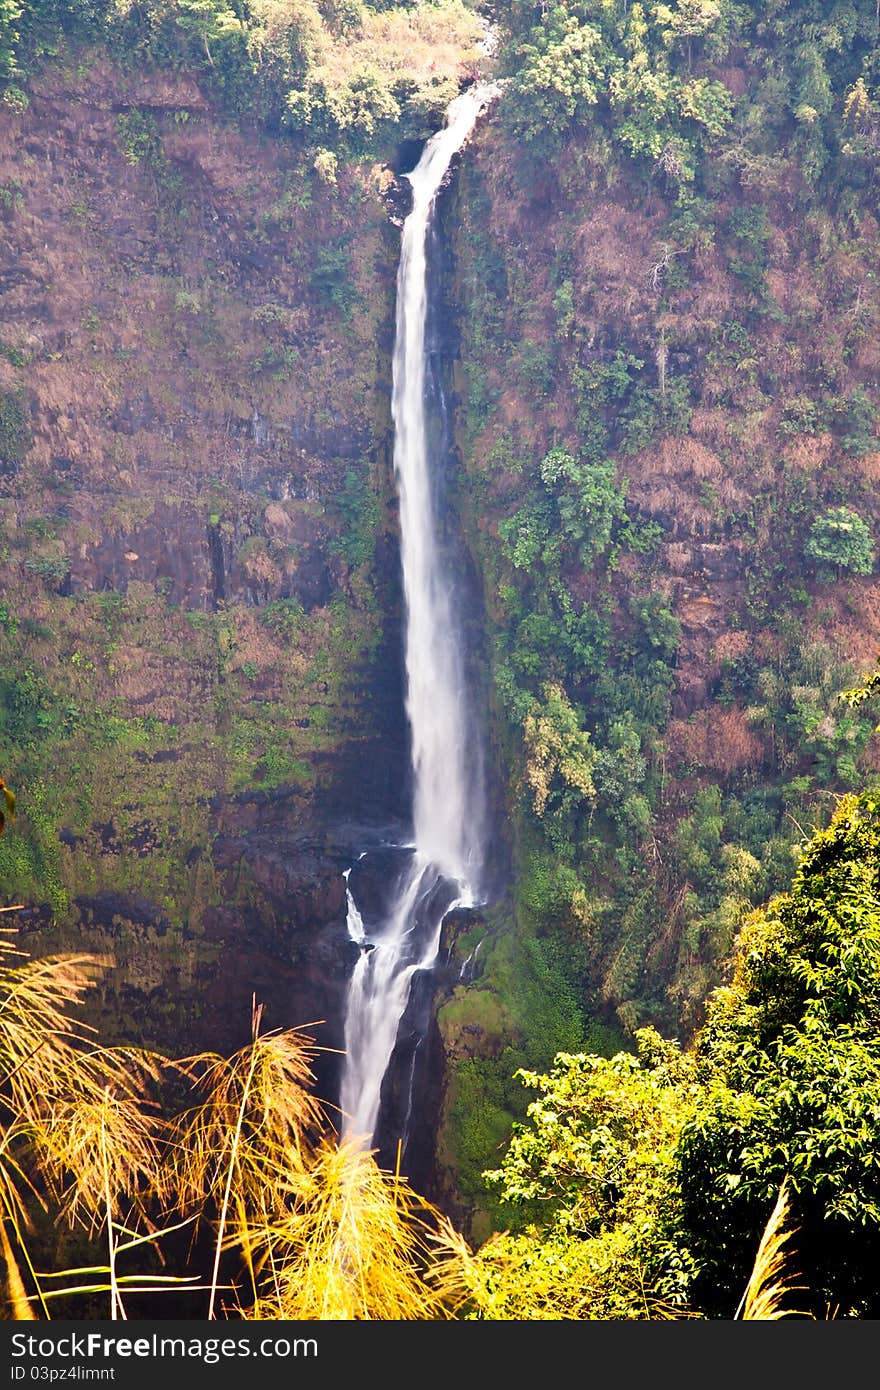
(619, 66)
(338, 74)
(15, 435)
(557, 75)
(652, 78)
(596, 1155)
(296, 1227)
(559, 755)
(841, 539)
(10, 35)
(588, 500)
(361, 516)
(138, 135)
(661, 1170)
(331, 278)
(796, 1052)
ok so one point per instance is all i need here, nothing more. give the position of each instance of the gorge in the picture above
(262, 617)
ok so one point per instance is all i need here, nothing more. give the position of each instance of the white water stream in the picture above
(447, 793)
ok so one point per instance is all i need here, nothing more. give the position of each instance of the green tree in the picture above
(593, 1164)
(558, 76)
(10, 14)
(588, 499)
(661, 1170)
(840, 538)
(794, 1049)
(559, 754)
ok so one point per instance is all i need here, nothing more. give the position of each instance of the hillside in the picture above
(668, 386)
(656, 317)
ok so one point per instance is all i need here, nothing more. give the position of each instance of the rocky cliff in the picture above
(659, 421)
(200, 670)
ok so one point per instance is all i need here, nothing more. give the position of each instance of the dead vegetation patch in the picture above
(729, 647)
(718, 740)
(809, 452)
(849, 619)
(684, 482)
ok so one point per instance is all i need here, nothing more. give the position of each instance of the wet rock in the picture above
(115, 913)
(333, 440)
(397, 195)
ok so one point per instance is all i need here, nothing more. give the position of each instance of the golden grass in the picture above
(261, 1094)
(770, 1283)
(235, 1152)
(320, 1231)
(16, 1296)
(428, 43)
(102, 1148)
(80, 1129)
(352, 1246)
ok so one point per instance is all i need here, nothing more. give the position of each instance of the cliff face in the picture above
(731, 378)
(199, 610)
(200, 666)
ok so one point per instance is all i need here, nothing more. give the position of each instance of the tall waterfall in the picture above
(443, 868)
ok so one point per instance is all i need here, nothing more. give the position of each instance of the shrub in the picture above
(840, 538)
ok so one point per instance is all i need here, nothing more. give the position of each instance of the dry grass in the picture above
(80, 1130)
(730, 646)
(868, 466)
(322, 1231)
(809, 452)
(261, 1095)
(233, 1154)
(351, 1246)
(426, 44)
(718, 739)
(770, 1283)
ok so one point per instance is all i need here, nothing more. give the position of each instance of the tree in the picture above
(794, 1049)
(559, 754)
(651, 1178)
(840, 538)
(10, 14)
(593, 1166)
(558, 76)
(588, 499)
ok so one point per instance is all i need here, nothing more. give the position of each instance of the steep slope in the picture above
(669, 387)
(200, 665)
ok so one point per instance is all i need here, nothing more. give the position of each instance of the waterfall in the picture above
(443, 866)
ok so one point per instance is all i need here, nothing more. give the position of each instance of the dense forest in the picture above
(654, 1052)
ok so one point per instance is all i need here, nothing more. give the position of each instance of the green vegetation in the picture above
(345, 76)
(645, 1183)
(841, 540)
(361, 516)
(15, 436)
(647, 1180)
(651, 79)
(665, 250)
(670, 439)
